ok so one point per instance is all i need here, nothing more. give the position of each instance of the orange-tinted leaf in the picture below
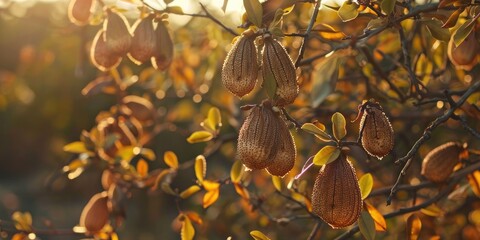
(474, 181)
(200, 136)
(20, 236)
(171, 159)
(432, 210)
(194, 217)
(142, 168)
(200, 167)
(210, 197)
(187, 232)
(189, 191)
(210, 185)
(414, 225)
(75, 147)
(380, 223)
(257, 235)
(452, 20)
(22, 221)
(242, 191)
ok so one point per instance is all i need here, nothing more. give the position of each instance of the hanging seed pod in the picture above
(163, 54)
(258, 136)
(117, 33)
(465, 54)
(101, 56)
(95, 214)
(79, 11)
(278, 65)
(140, 108)
(375, 130)
(240, 68)
(336, 195)
(144, 41)
(439, 163)
(285, 152)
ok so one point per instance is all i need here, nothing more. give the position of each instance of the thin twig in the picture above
(314, 231)
(307, 33)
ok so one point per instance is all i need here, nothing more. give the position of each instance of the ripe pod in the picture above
(240, 68)
(439, 163)
(163, 54)
(336, 195)
(376, 130)
(285, 151)
(278, 65)
(117, 33)
(464, 55)
(95, 214)
(101, 56)
(79, 11)
(143, 42)
(258, 137)
(140, 108)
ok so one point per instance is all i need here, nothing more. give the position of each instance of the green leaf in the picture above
(388, 6)
(254, 11)
(326, 155)
(462, 32)
(236, 171)
(348, 11)
(339, 126)
(434, 26)
(324, 80)
(366, 184)
(257, 235)
(319, 133)
(366, 225)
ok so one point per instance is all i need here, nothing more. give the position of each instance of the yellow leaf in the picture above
(187, 232)
(194, 217)
(148, 154)
(236, 171)
(301, 198)
(200, 136)
(171, 159)
(277, 183)
(319, 133)
(414, 225)
(200, 167)
(339, 126)
(210, 185)
(142, 168)
(348, 11)
(432, 210)
(214, 120)
(210, 197)
(126, 153)
(75, 164)
(242, 191)
(474, 181)
(380, 223)
(23, 221)
(189, 191)
(75, 147)
(257, 235)
(326, 155)
(366, 184)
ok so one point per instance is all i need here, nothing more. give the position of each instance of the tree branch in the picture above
(307, 33)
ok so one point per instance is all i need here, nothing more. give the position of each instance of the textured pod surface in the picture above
(240, 68)
(79, 11)
(439, 163)
(465, 55)
(143, 42)
(101, 56)
(336, 195)
(117, 33)
(377, 135)
(95, 214)
(258, 137)
(285, 151)
(278, 65)
(163, 54)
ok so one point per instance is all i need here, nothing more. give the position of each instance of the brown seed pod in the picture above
(144, 41)
(375, 130)
(285, 151)
(258, 137)
(101, 56)
(336, 195)
(240, 68)
(163, 54)
(117, 33)
(79, 11)
(464, 55)
(439, 163)
(140, 108)
(95, 214)
(278, 65)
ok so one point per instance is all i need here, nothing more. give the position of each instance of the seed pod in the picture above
(79, 11)
(140, 108)
(101, 56)
(163, 54)
(143, 42)
(439, 163)
(376, 130)
(240, 68)
(95, 214)
(285, 151)
(258, 137)
(464, 55)
(278, 65)
(336, 195)
(117, 33)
